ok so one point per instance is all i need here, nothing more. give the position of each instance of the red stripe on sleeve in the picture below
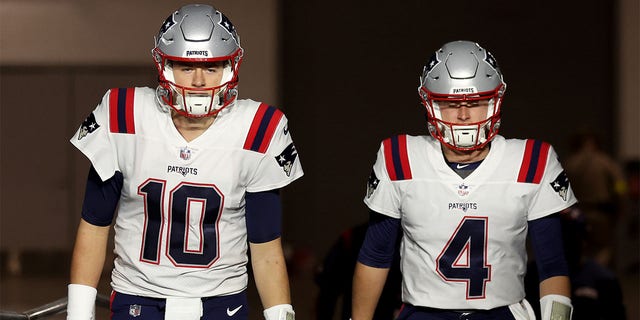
(542, 162)
(404, 156)
(271, 129)
(388, 159)
(526, 161)
(255, 125)
(113, 110)
(131, 128)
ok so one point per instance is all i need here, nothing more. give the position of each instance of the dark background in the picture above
(351, 73)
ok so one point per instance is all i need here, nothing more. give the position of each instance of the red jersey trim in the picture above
(396, 158)
(534, 161)
(262, 128)
(121, 119)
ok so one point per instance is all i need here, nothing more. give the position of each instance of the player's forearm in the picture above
(368, 283)
(556, 285)
(89, 254)
(270, 272)
(555, 298)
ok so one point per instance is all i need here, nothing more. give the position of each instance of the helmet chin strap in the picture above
(197, 104)
(466, 136)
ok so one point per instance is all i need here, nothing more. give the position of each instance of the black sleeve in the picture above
(380, 241)
(263, 215)
(101, 198)
(546, 239)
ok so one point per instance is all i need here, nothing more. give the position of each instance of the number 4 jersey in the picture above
(180, 223)
(464, 239)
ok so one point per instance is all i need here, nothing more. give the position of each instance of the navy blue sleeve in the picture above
(101, 198)
(380, 241)
(545, 235)
(263, 215)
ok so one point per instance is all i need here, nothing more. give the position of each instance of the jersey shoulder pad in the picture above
(121, 107)
(396, 158)
(262, 128)
(534, 161)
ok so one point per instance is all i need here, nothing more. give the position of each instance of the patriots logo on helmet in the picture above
(89, 125)
(561, 185)
(433, 61)
(372, 184)
(287, 158)
(166, 25)
(227, 25)
(491, 60)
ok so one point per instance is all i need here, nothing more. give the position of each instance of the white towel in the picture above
(183, 309)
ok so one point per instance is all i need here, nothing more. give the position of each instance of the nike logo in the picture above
(230, 313)
(286, 130)
(461, 166)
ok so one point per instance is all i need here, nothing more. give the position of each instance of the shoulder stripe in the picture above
(121, 110)
(534, 161)
(262, 128)
(396, 158)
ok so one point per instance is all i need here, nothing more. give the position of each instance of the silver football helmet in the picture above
(197, 33)
(462, 71)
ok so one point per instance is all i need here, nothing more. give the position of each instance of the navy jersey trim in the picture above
(396, 158)
(262, 128)
(121, 119)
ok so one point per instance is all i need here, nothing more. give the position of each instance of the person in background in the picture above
(596, 289)
(336, 272)
(599, 183)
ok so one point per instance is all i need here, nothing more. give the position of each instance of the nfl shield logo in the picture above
(185, 153)
(463, 190)
(135, 310)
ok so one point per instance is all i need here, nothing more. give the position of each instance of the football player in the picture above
(190, 174)
(465, 199)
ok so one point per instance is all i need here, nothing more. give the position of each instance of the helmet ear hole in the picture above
(168, 36)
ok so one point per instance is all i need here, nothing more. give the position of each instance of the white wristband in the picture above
(555, 306)
(280, 312)
(81, 302)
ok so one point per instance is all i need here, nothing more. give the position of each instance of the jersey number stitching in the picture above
(195, 210)
(464, 258)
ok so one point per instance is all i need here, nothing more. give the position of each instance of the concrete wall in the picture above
(628, 79)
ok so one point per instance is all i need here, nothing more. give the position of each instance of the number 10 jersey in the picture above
(180, 226)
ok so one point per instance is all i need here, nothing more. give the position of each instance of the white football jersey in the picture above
(180, 226)
(464, 239)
